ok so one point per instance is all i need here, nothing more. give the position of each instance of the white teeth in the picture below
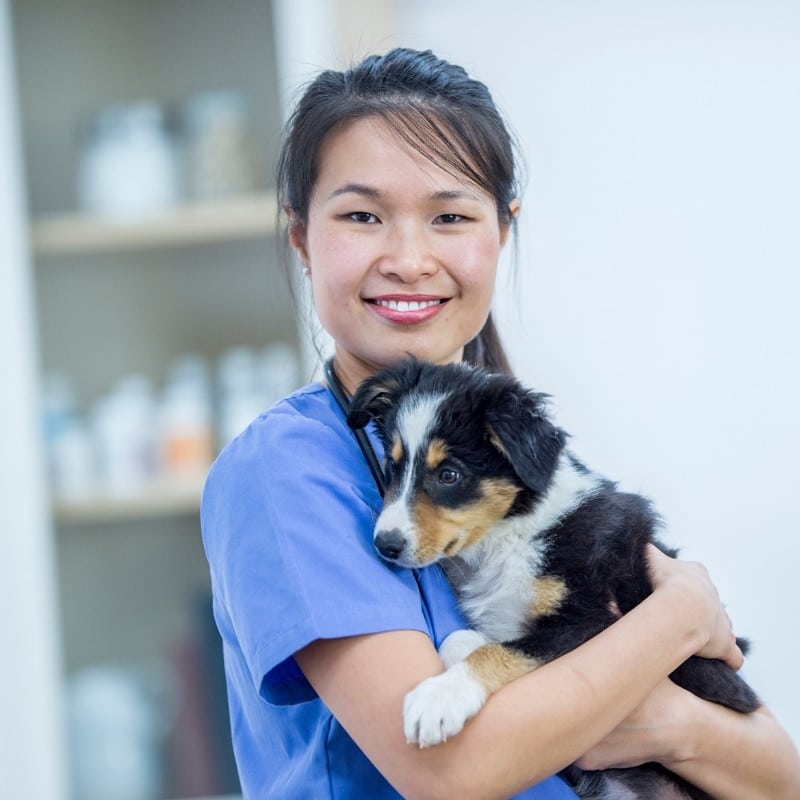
(407, 305)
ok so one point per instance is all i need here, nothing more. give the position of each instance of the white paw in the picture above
(459, 644)
(439, 706)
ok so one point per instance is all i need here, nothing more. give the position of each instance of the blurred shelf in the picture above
(162, 498)
(246, 216)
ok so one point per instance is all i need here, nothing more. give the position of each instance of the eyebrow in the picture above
(356, 188)
(374, 194)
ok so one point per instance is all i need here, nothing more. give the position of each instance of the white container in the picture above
(72, 462)
(70, 454)
(123, 427)
(218, 148)
(186, 421)
(240, 400)
(127, 166)
(114, 733)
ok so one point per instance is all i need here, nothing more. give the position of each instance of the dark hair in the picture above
(435, 108)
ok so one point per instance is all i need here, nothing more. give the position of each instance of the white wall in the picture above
(660, 265)
(31, 742)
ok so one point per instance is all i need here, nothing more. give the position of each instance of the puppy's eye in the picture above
(449, 476)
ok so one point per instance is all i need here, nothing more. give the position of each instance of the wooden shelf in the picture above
(163, 498)
(237, 218)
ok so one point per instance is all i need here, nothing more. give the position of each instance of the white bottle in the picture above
(123, 424)
(127, 167)
(240, 401)
(67, 441)
(185, 421)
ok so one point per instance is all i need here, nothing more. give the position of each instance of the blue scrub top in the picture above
(287, 519)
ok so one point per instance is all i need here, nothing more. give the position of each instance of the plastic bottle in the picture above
(185, 420)
(127, 166)
(123, 425)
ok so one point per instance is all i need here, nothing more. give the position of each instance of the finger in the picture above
(657, 562)
(735, 658)
(737, 662)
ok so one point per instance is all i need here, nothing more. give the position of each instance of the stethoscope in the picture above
(337, 390)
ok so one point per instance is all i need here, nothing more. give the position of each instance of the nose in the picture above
(390, 543)
(408, 255)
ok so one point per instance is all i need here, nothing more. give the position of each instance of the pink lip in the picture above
(399, 312)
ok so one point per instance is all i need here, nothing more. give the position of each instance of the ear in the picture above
(505, 228)
(519, 428)
(296, 231)
(376, 395)
(372, 399)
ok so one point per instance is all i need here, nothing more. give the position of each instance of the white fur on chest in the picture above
(494, 579)
(494, 582)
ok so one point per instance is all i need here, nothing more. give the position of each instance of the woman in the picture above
(398, 182)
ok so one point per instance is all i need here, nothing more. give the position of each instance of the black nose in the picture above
(390, 543)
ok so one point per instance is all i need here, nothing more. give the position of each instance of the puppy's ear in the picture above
(376, 395)
(372, 399)
(519, 428)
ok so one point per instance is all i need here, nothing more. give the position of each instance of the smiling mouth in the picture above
(407, 305)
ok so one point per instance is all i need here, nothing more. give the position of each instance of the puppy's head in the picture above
(465, 448)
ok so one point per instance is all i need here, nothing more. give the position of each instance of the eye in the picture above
(448, 219)
(449, 476)
(364, 217)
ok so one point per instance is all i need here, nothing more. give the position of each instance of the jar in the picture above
(127, 164)
(218, 151)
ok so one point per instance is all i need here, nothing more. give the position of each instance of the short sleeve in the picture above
(287, 516)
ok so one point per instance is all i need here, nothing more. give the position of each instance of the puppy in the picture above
(542, 552)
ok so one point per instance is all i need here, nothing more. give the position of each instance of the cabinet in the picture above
(115, 298)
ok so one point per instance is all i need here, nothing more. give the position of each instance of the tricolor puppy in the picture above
(542, 552)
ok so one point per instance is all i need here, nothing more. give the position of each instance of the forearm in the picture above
(735, 756)
(529, 730)
(550, 717)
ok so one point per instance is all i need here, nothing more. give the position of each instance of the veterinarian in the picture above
(398, 180)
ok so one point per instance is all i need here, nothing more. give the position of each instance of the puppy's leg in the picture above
(439, 706)
(715, 681)
(459, 644)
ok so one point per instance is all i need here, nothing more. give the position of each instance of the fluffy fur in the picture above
(542, 552)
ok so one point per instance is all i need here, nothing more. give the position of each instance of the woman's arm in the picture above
(539, 723)
(729, 755)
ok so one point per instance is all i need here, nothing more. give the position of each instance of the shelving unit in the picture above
(233, 219)
(159, 499)
(119, 297)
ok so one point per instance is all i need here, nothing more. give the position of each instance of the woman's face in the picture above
(402, 256)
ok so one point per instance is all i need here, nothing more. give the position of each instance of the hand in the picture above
(655, 731)
(691, 581)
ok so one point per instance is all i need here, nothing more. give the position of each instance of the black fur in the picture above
(494, 427)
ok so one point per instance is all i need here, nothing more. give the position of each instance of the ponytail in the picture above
(486, 350)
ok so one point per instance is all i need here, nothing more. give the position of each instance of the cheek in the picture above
(474, 265)
(333, 250)
(336, 265)
(445, 531)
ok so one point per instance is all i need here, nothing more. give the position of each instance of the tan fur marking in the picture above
(494, 665)
(548, 593)
(443, 529)
(437, 452)
(397, 449)
(495, 440)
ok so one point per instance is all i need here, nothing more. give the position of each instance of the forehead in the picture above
(368, 153)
